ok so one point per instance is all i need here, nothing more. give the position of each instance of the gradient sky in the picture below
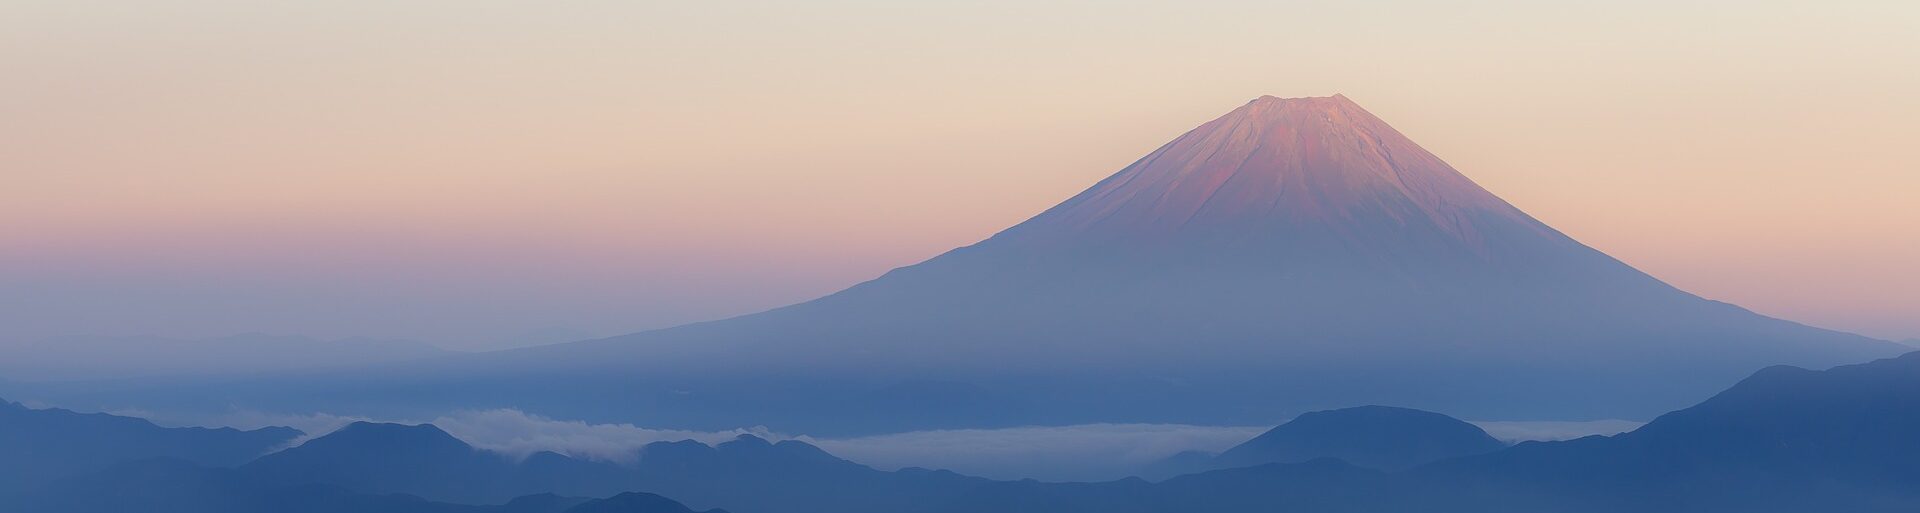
(461, 171)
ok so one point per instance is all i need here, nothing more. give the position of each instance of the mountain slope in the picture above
(1784, 439)
(745, 474)
(422, 460)
(1373, 437)
(172, 486)
(1377, 437)
(39, 445)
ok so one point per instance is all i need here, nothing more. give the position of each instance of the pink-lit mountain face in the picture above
(1292, 255)
(1278, 163)
(1287, 230)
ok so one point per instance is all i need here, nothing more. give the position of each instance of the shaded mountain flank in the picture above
(745, 474)
(1378, 437)
(40, 445)
(1374, 437)
(392, 467)
(173, 486)
(1784, 440)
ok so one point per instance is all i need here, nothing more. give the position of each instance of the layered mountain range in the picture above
(1783, 440)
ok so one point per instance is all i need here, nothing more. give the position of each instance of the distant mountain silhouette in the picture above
(1375, 437)
(425, 461)
(1378, 437)
(386, 458)
(39, 445)
(745, 474)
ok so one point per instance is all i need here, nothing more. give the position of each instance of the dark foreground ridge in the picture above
(1374, 437)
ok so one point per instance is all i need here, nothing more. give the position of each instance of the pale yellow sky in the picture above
(453, 170)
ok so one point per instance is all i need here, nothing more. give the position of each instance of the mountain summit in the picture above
(1292, 255)
(1287, 233)
(1274, 164)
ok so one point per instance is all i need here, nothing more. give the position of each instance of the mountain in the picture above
(1377, 437)
(1784, 440)
(632, 502)
(172, 486)
(383, 458)
(745, 474)
(40, 445)
(422, 460)
(1295, 254)
(1373, 437)
(1292, 254)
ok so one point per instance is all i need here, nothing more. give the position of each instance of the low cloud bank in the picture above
(1088, 452)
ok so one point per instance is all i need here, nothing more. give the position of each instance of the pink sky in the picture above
(460, 171)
